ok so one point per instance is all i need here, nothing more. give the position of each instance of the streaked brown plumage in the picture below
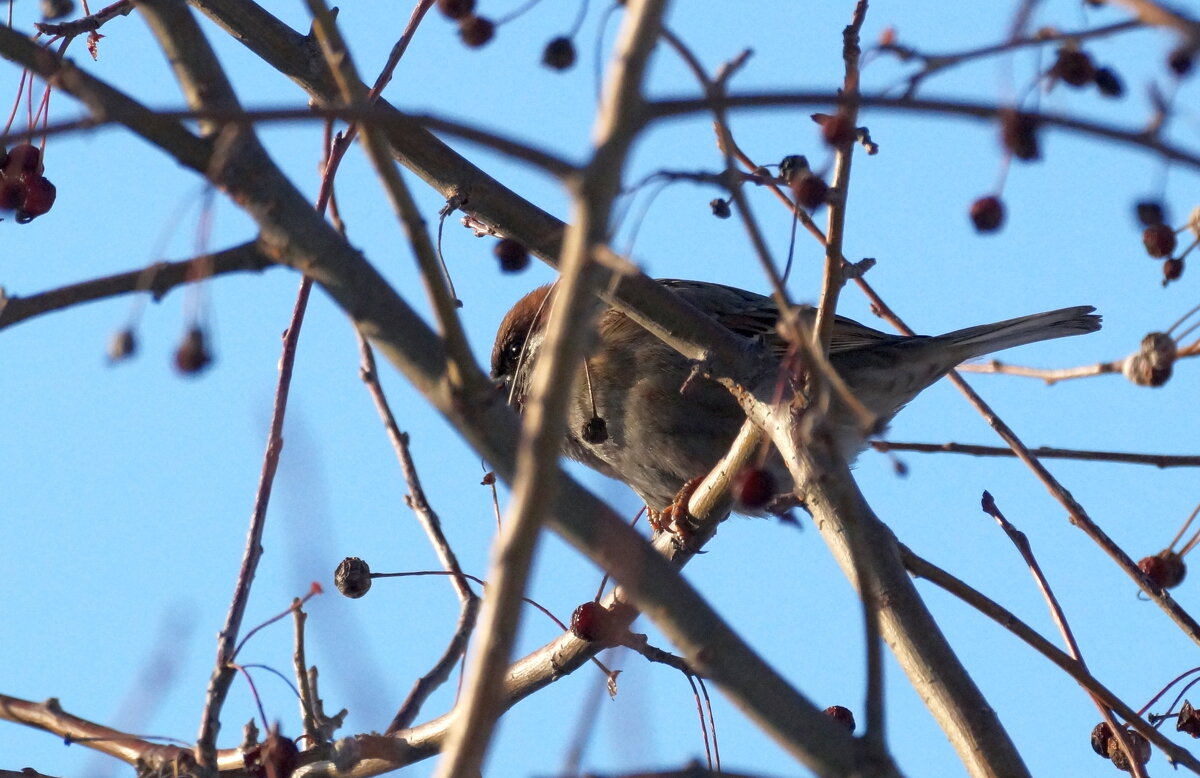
(658, 439)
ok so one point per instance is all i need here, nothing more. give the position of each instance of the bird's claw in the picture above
(676, 519)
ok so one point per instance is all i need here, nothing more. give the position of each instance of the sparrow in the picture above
(635, 416)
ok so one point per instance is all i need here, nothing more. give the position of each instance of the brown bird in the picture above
(656, 439)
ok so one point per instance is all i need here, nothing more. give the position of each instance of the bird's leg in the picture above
(675, 518)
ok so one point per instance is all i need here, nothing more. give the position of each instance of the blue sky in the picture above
(127, 489)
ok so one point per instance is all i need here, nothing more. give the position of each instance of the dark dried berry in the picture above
(1150, 212)
(592, 621)
(559, 54)
(1180, 61)
(1101, 734)
(1138, 745)
(352, 577)
(720, 208)
(841, 715)
(1172, 270)
(456, 9)
(837, 130)
(753, 488)
(1165, 569)
(811, 192)
(1108, 82)
(1018, 132)
(1159, 240)
(513, 255)
(23, 158)
(476, 31)
(39, 196)
(987, 213)
(1189, 720)
(595, 431)
(1073, 67)
(489, 479)
(193, 356)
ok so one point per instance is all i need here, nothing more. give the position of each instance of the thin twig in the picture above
(1042, 452)
(1021, 541)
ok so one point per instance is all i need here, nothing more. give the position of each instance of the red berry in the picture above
(476, 31)
(987, 213)
(1172, 270)
(810, 191)
(513, 255)
(1159, 240)
(838, 130)
(39, 195)
(841, 715)
(1165, 569)
(23, 158)
(753, 488)
(559, 54)
(456, 9)
(592, 621)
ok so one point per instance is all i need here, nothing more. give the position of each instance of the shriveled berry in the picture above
(456, 9)
(1018, 132)
(720, 208)
(559, 54)
(592, 621)
(1189, 720)
(595, 430)
(1165, 569)
(1138, 745)
(489, 479)
(513, 255)
(1172, 270)
(193, 356)
(23, 158)
(841, 715)
(1150, 212)
(1073, 67)
(1108, 82)
(39, 196)
(753, 488)
(1101, 734)
(1159, 240)
(352, 577)
(811, 192)
(987, 213)
(476, 31)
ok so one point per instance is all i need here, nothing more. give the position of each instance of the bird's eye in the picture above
(512, 356)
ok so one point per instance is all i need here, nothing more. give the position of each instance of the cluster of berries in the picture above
(23, 188)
